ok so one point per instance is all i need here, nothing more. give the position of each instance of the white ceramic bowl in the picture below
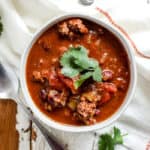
(51, 123)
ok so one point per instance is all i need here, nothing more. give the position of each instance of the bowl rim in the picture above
(70, 128)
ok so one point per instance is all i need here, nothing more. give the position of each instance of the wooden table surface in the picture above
(9, 137)
(16, 135)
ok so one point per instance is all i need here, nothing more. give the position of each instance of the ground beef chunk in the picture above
(45, 43)
(37, 76)
(72, 28)
(86, 105)
(86, 111)
(63, 28)
(40, 76)
(77, 25)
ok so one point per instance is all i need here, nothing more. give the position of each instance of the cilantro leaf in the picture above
(76, 62)
(117, 136)
(108, 141)
(68, 71)
(1, 27)
(80, 48)
(83, 77)
(97, 74)
(68, 59)
(87, 63)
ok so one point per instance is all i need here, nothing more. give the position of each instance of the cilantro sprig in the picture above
(1, 26)
(75, 62)
(108, 141)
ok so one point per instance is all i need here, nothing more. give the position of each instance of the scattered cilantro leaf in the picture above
(1, 27)
(108, 141)
(76, 62)
(118, 139)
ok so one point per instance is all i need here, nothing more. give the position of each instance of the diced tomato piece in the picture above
(109, 87)
(105, 98)
(54, 80)
(67, 81)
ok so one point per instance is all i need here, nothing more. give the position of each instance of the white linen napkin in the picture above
(21, 18)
